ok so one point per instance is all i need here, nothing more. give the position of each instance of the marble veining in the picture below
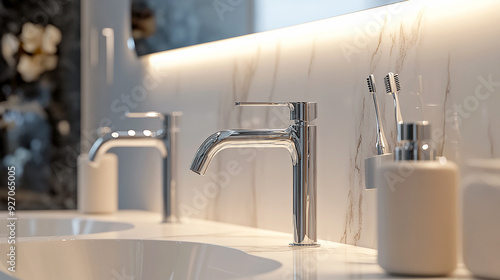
(440, 148)
(407, 40)
(377, 53)
(354, 214)
(275, 73)
(491, 140)
(311, 60)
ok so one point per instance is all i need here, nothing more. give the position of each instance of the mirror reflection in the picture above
(159, 25)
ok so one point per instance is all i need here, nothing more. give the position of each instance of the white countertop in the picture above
(331, 260)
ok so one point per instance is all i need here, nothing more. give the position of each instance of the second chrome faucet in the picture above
(163, 139)
(299, 139)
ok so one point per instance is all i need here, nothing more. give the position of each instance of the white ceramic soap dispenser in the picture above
(417, 207)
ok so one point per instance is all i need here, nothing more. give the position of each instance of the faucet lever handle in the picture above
(299, 111)
(169, 121)
(140, 115)
(250, 103)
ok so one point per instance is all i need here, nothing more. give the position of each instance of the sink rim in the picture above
(196, 252)
(35, 227)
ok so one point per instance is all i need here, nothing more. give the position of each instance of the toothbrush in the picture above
(393, 87)
(419, 94)
(381, 145)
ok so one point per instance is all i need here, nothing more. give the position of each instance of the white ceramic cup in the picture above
(98, 184)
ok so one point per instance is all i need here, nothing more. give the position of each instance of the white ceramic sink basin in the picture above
(59, 227)
(124, 259)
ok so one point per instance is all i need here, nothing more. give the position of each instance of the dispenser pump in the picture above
(414, 142)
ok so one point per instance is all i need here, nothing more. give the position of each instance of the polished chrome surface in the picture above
(299, 139)
(299, 111)
(242, 139)
(381, 144)
(163, 139)
(414, 131)
(414, 142)
(392, 86)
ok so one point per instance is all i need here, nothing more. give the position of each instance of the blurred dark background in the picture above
(40, 101)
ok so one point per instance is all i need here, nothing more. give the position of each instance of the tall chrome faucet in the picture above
(299, 139)
(163, 139)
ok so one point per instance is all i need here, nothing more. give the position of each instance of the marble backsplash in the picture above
(446, 53)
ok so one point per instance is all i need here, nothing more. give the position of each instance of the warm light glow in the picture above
(107, 31)
(131, 43)
(425, 146)
(110, 53)
(289, 36)
(350, 30)
(152, 114)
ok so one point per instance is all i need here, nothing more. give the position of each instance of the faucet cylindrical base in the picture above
(304, 186)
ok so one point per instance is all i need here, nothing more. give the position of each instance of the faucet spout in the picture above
(300, 140)
(129, 138)
(163, 139)
(237, 138)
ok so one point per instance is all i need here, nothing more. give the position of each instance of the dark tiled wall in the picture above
(40, 120)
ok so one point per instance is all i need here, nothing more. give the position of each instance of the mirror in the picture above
(159, 25)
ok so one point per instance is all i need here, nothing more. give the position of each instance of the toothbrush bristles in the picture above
(387, 84)
(371, 84)
(396, 79)
(370, 89)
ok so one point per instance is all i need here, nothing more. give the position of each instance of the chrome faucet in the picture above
(164, 139)
(299, 139)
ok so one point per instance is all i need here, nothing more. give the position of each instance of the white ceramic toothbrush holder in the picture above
(371, 164)
(97, 184)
